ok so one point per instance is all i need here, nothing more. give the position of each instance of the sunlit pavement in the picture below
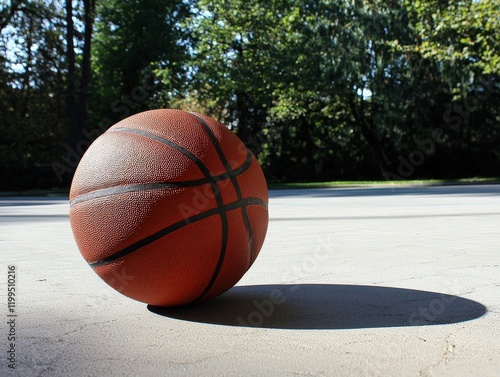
(386, 281)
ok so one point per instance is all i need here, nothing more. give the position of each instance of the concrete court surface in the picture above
(391, 281)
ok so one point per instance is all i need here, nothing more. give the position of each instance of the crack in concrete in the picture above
(199, 360)
(448, 354)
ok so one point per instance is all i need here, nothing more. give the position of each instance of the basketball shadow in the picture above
(327, 306)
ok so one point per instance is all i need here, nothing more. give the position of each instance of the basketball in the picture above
(169, 207)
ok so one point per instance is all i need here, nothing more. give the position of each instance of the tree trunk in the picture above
(77, 95)
(371, 138)
(243, 130)
(73, 132)
(83, 94)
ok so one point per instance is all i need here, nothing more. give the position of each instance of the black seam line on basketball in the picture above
(234, 181)
(236, 186)
(225, 227)
(172, 228)
(213, 185)
(100, 193)
(188, 154)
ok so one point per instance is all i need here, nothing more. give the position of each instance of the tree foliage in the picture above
(32, 110)
(319, 89)
(350, 89)
(135, 41)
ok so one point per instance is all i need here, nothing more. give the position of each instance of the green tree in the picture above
(138, 56)
(32, 97)
(304, 68)
(461, 41)
(319, 89)
(77, 85)
(350, 88)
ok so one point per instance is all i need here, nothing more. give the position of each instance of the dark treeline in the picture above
(319, 90)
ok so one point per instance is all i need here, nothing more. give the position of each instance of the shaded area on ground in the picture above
(327, 306)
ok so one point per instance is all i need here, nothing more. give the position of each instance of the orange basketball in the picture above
(169, 207)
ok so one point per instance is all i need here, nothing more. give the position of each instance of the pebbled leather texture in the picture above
(169, 207)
